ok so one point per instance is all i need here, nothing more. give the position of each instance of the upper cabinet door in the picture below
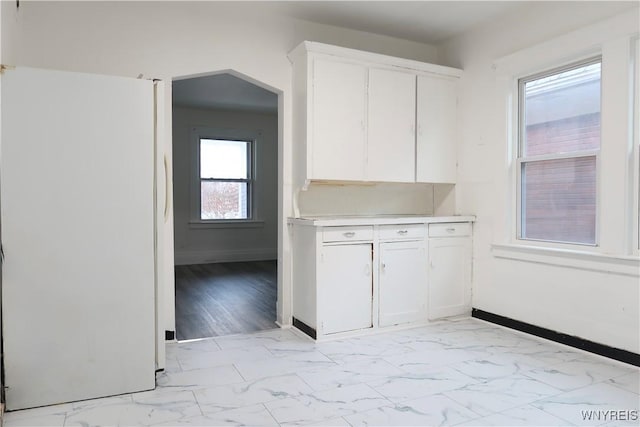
(437, 130)
(338, 121)
(391, 126)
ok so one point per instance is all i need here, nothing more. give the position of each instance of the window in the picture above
(225, 173)
(559, 144)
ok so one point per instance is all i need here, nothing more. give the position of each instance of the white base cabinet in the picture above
(449, 270)
(403, 282)
(358, 276)
(333, 279)
(345, 287)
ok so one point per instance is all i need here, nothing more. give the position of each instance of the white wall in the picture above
(196, 244)
(175, 39)
(598, 300)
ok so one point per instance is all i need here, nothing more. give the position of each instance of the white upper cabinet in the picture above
(437, 112)
(338, 121)
(355, 117)
(391, 126)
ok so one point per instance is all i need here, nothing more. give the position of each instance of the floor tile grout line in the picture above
(270, 413)
(313, 390)
(603, 381)
(549, 413)
(345, 420)
(239, 373)
(564, 392)
(380, 394)
(195, 398)
(462, 404)
(622, 388)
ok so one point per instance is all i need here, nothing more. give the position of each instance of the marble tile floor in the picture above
(465, 372)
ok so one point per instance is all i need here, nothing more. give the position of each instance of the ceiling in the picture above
(421, 21)
(223, 91)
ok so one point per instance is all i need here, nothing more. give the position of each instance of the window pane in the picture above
(559, 200)
(223, 200)
(223, 159)
(562, 112)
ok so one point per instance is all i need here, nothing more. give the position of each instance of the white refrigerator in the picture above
(77, 218)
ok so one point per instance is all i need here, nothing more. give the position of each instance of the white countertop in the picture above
(377, 219)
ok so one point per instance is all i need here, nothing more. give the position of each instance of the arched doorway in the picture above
(225, 203)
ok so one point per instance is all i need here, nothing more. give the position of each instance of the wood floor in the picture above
(225, 298)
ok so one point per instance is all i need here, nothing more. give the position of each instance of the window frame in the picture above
(635, 150)
(520, 159)
(251, 138)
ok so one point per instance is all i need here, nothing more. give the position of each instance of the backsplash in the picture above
(375, 199)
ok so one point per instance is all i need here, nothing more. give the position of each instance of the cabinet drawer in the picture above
(408, 231)
(451, 229)
(343, 234)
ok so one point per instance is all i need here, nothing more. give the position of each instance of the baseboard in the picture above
(570, 340)
(303, 327)
(212, 256)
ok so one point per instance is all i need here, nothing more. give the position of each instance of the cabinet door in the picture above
(436, 137)
(345, 284)
(449, 276)
(403, 282)
(391, 142)
(338, 124)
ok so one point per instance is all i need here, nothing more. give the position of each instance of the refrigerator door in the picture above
(77, 210)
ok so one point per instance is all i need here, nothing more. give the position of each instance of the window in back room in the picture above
(225, 179)
(559, 144)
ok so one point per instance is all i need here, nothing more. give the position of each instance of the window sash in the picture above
(249, 157)
(249, 200)
(521, 96)
(519, 202)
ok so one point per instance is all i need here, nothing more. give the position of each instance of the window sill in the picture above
(616, 264)
(240, 223)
